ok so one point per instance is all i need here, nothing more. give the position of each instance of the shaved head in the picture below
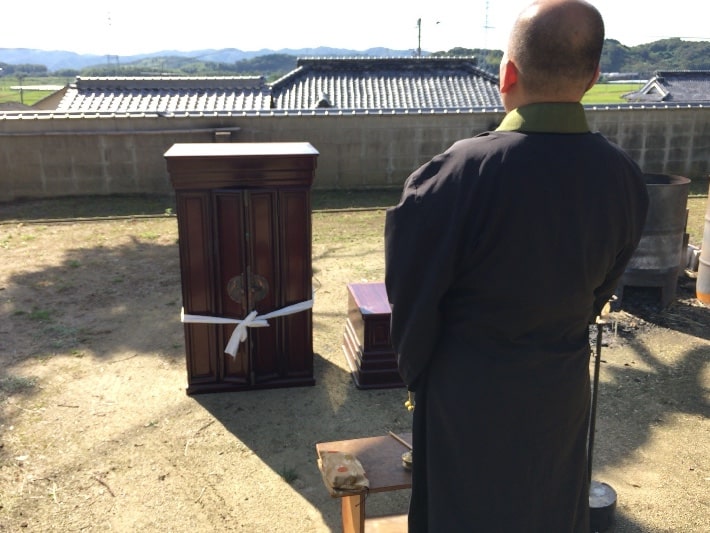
(556, 45)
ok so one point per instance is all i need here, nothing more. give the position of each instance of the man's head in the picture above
(553, 53)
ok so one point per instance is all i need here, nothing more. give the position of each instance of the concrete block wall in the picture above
(46, 155)
(361, 151)
(661, 141)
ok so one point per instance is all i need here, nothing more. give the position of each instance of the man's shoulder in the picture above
(492, 141)
(487, 138)
(485, 143)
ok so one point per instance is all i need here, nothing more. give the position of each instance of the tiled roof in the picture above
(345, 84)
(165, 95)
(674, 86)
(386, 83)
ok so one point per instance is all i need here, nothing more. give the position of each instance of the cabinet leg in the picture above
(353, 511)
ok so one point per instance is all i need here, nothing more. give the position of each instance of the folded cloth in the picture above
(342, 473)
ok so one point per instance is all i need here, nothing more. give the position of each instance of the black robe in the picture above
(499, 255)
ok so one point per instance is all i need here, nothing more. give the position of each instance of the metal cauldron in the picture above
(658, 258)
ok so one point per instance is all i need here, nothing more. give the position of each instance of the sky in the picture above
(127, 27)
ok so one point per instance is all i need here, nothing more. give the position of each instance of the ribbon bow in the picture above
(252, 320)
(240, 332)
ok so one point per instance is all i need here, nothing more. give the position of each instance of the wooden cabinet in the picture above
(244, 222)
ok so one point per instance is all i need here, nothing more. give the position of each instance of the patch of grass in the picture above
(28, 97)
(64, 287)
(355, 199)
(699, 187)
(349, 213)
(62, 336)
(289, 475)
(43, 356)
(15, 384)
(40, 315)
(609, 93)
(696, 220)
(86, 207)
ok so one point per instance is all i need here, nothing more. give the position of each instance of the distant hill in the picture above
(56, 60)
(641, 60)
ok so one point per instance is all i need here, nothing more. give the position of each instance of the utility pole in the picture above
(20, 78)
(419, 37)
(486, 27)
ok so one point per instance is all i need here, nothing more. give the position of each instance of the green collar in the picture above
(546, 118)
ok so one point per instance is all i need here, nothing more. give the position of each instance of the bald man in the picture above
(500, 253)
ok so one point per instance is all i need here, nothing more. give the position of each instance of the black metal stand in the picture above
(602, 497)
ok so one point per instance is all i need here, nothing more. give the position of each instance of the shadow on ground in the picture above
(272, 423)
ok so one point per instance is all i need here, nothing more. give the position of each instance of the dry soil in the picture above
(97, 433)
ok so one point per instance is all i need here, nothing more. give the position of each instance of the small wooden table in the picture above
(381, 457)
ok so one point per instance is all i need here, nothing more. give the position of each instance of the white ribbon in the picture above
(252, 320)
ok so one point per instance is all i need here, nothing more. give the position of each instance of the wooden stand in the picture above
(381, 457)
(244, 222)
(366, 340)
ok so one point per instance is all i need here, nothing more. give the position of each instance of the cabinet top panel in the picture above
(240, 149)
(220, 165)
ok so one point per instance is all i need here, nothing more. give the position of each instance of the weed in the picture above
(65, 287)
(40, 315)
(289, 475)
(14, 384)
(62, 336)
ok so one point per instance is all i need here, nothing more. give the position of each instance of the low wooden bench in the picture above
(381, 457)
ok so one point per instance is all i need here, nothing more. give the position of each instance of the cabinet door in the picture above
(261, 256)
(262, 274)
(296, 278)
(279, 270)
(263, 244)
(194, 224)
(230, 244)
(247, 253)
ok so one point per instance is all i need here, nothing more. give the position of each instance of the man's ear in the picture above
(508, 76)
(594, 79)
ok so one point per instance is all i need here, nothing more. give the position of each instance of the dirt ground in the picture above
(97, 433)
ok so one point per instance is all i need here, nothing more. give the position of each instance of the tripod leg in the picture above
(595, 392)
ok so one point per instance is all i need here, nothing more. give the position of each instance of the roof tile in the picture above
(386, 83)
(685, 86)
(342, 83)
(166, 94)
